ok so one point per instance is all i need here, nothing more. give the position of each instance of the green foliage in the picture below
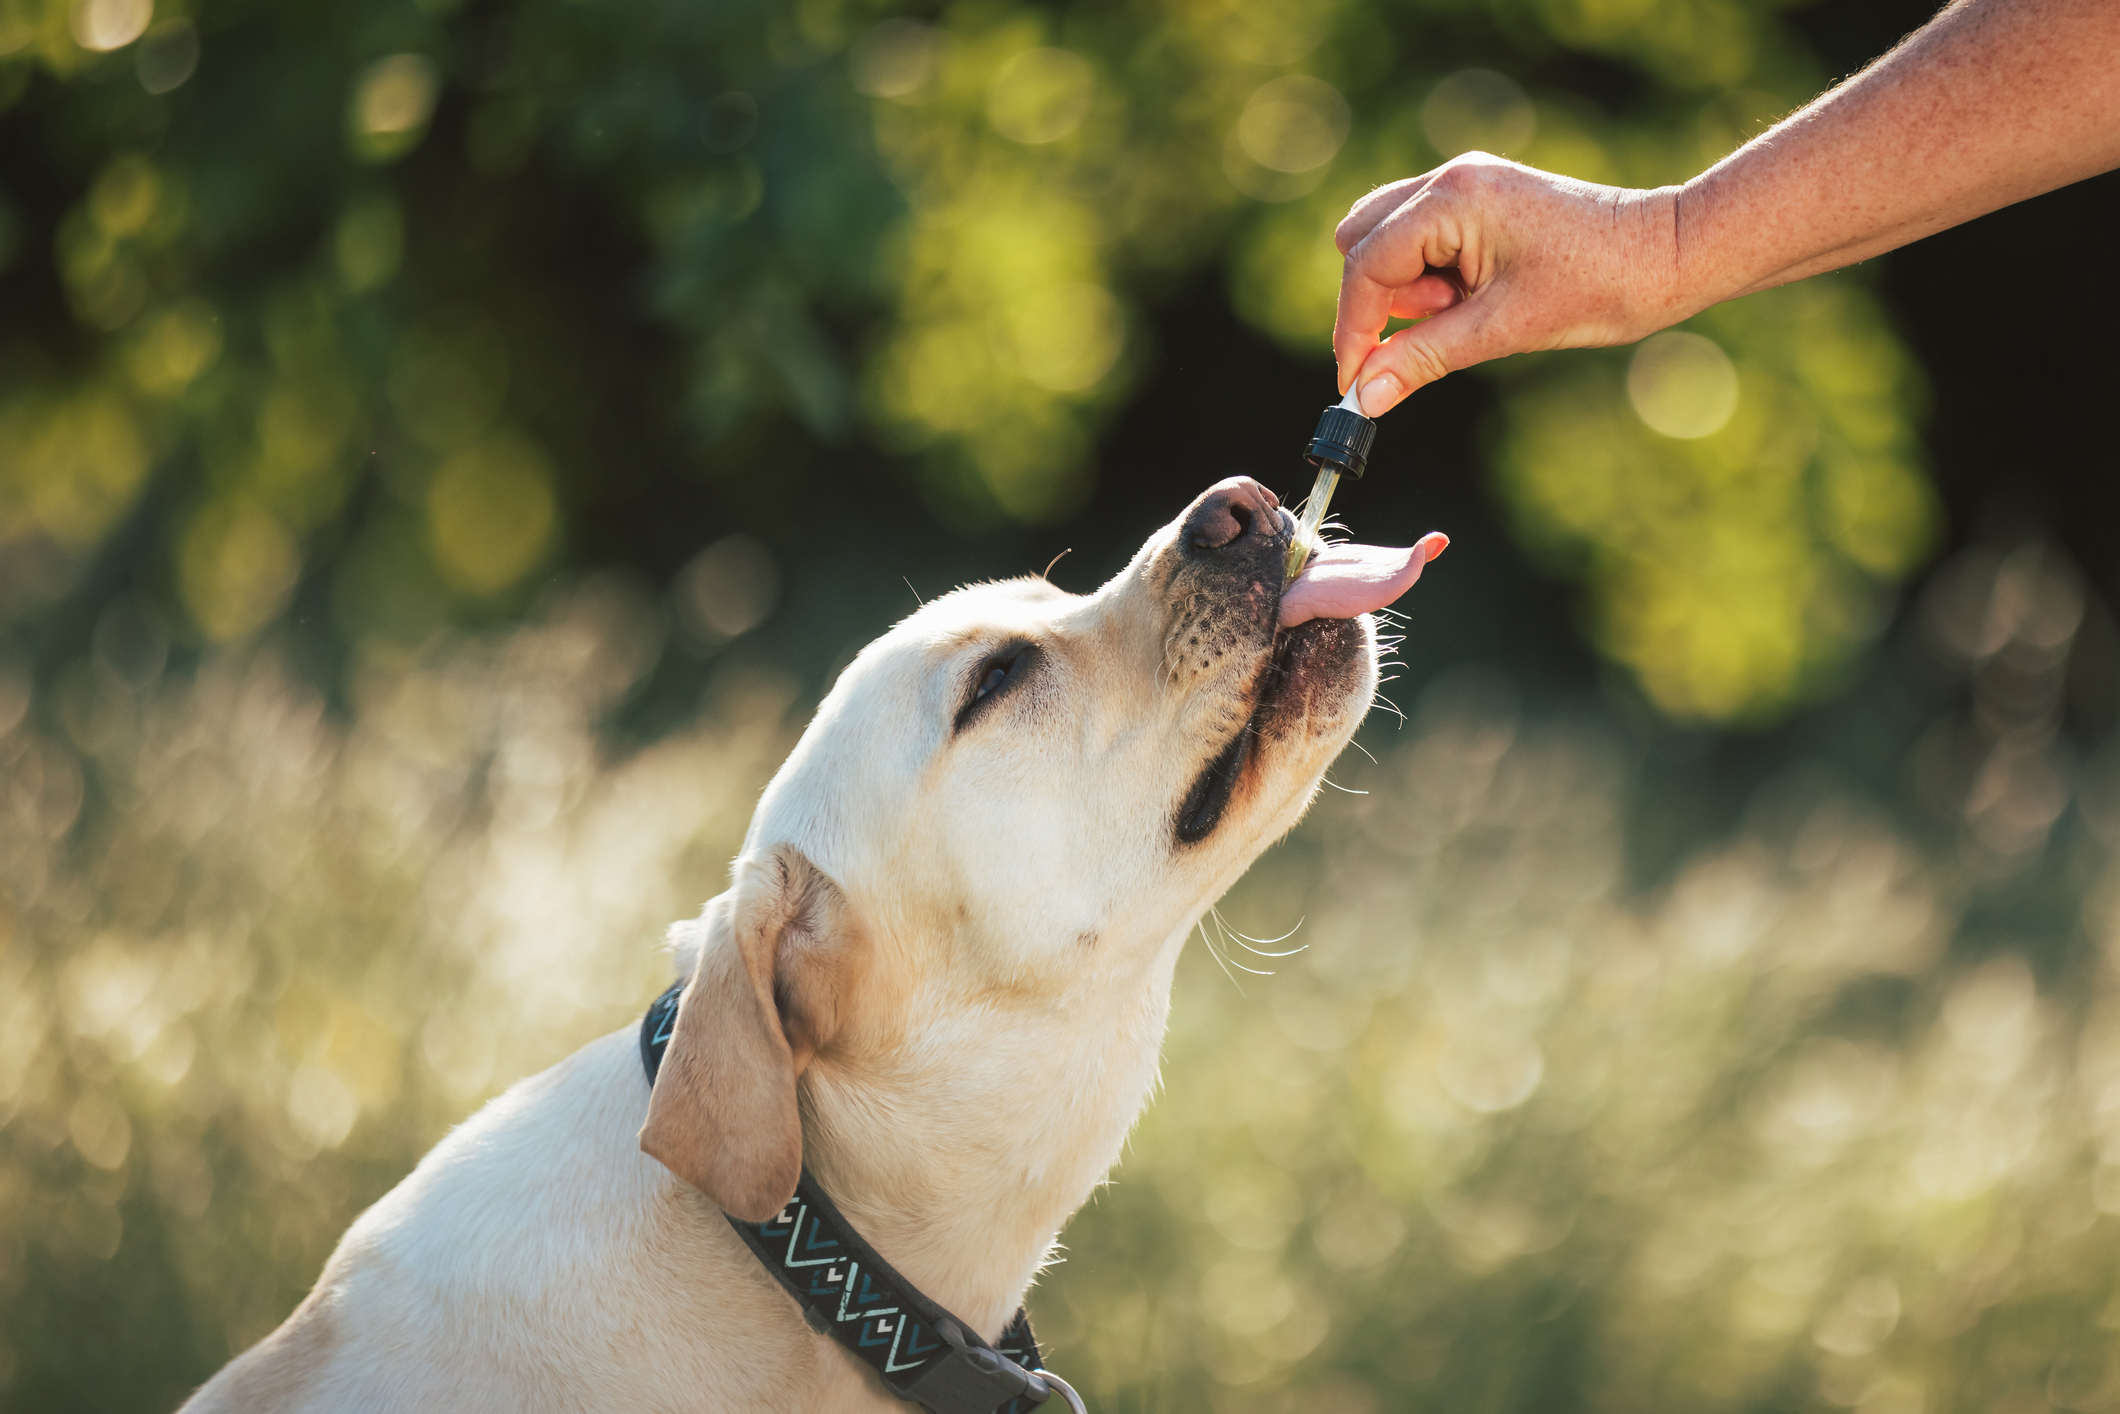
(350, 353)
(1736, 519)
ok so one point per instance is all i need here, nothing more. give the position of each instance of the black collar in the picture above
(922, 1353)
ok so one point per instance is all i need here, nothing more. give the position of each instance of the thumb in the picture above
(1421, 353)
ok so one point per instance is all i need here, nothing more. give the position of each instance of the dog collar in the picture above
(922, 1353)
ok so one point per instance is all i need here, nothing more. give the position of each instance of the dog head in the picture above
(1017, 799)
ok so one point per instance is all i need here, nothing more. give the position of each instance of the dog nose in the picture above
(1232, 515)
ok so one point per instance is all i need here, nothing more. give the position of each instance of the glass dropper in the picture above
(1339, 447)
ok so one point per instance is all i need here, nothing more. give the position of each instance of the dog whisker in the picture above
(1222, 962)
(1223, 927)
(1247, 939)
(1215, 912)
(1230, 957)
(1227, 955)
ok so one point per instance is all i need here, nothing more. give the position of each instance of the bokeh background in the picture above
(447, 447)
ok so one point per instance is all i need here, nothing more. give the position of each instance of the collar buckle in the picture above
(973, 1379)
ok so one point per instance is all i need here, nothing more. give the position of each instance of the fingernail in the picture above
(1437, 543)
(1379, 393)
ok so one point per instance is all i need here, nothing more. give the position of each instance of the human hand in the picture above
(1497, 258)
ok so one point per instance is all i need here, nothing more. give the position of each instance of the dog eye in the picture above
(997, 675)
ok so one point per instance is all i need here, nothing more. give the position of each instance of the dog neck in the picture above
(960, 1150)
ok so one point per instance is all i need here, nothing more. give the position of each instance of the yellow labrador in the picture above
(939, 979)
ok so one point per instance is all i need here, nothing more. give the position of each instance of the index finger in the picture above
(1409, 240)
(1363, 216)
(1365, 307)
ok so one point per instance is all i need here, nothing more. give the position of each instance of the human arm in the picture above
(1993, 101)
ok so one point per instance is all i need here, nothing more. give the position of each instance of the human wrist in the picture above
(1651, 274)
(1717, 255)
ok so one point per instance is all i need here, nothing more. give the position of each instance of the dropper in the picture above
(1339, 447)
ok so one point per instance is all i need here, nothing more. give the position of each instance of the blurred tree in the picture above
(377, 307)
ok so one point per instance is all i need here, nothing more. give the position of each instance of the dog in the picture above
(939, 978)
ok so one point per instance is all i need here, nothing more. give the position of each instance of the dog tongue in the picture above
(1344, 580)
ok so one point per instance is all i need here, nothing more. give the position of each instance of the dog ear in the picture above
(774, 982)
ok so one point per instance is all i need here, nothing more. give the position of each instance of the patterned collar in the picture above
(922, 1353)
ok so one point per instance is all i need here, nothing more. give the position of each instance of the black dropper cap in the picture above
(1342, 442)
